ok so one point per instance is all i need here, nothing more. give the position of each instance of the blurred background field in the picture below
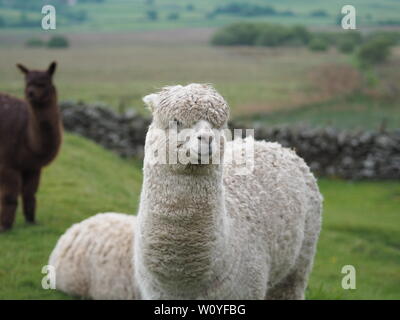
(276, 85)
(120, 50)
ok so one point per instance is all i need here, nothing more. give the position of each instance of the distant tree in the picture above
(346, 46)
(152, 15)
(245, 9)
(287, 13)
(190, 7)
(241, 33)
(35, 42)
(262, 34)
(375, 51)
(273, 35)
(25, 22)
(319, 13)
(301, 32)
(58, 42)
(318, 44)
(2, 22)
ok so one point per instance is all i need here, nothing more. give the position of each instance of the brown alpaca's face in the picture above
(38, 84)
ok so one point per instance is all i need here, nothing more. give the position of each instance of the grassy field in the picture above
(263, 83)
(355, 112)
(361, 225)
(114, 71)
(117, 15)
(84, 180)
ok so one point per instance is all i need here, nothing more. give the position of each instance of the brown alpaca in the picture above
(30, 137)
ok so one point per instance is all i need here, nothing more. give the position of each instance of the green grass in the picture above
(361, 225)
(356, 112)
(84, 180)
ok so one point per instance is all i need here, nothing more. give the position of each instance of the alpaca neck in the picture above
(185, 230)
(44, 128)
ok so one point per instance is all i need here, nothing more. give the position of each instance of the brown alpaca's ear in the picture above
(23, 69)
(52, 68)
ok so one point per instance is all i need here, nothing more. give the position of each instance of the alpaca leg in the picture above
(30, 185)
(294, 285)
(10, 185)
(291, 288)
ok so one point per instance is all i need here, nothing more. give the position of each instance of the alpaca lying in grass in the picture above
(93, 258)
(203, 231)
(30, 137)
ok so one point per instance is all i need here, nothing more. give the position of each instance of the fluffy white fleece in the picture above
(202, 232)
(93, 259)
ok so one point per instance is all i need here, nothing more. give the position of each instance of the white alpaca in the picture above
(203, 232)
(93, 259)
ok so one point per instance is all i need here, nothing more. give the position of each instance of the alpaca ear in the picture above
(23, 69)
(151, 101)
(52, 68)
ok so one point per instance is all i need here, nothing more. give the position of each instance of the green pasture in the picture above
(361, 225)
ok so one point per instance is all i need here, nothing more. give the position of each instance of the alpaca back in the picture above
(13, 124)
(271, 207)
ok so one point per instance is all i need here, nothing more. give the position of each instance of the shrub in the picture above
(349, 35)
(287, 13)
(392, 37)
(273, 35)
(152, 15)
(58, 42)
(375, 51)
(337, 38)
(301, 33)
(173, 16)
(35, 42)
(319, 13)
(346, 46)
(245, 9)
(241, 33)
(318, 44)
(262, 34)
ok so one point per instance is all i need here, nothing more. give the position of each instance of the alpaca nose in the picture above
(205, 141)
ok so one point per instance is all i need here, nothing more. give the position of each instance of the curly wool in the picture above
(204, 232)
(188, 104)
(227, 236)
(92, 258)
